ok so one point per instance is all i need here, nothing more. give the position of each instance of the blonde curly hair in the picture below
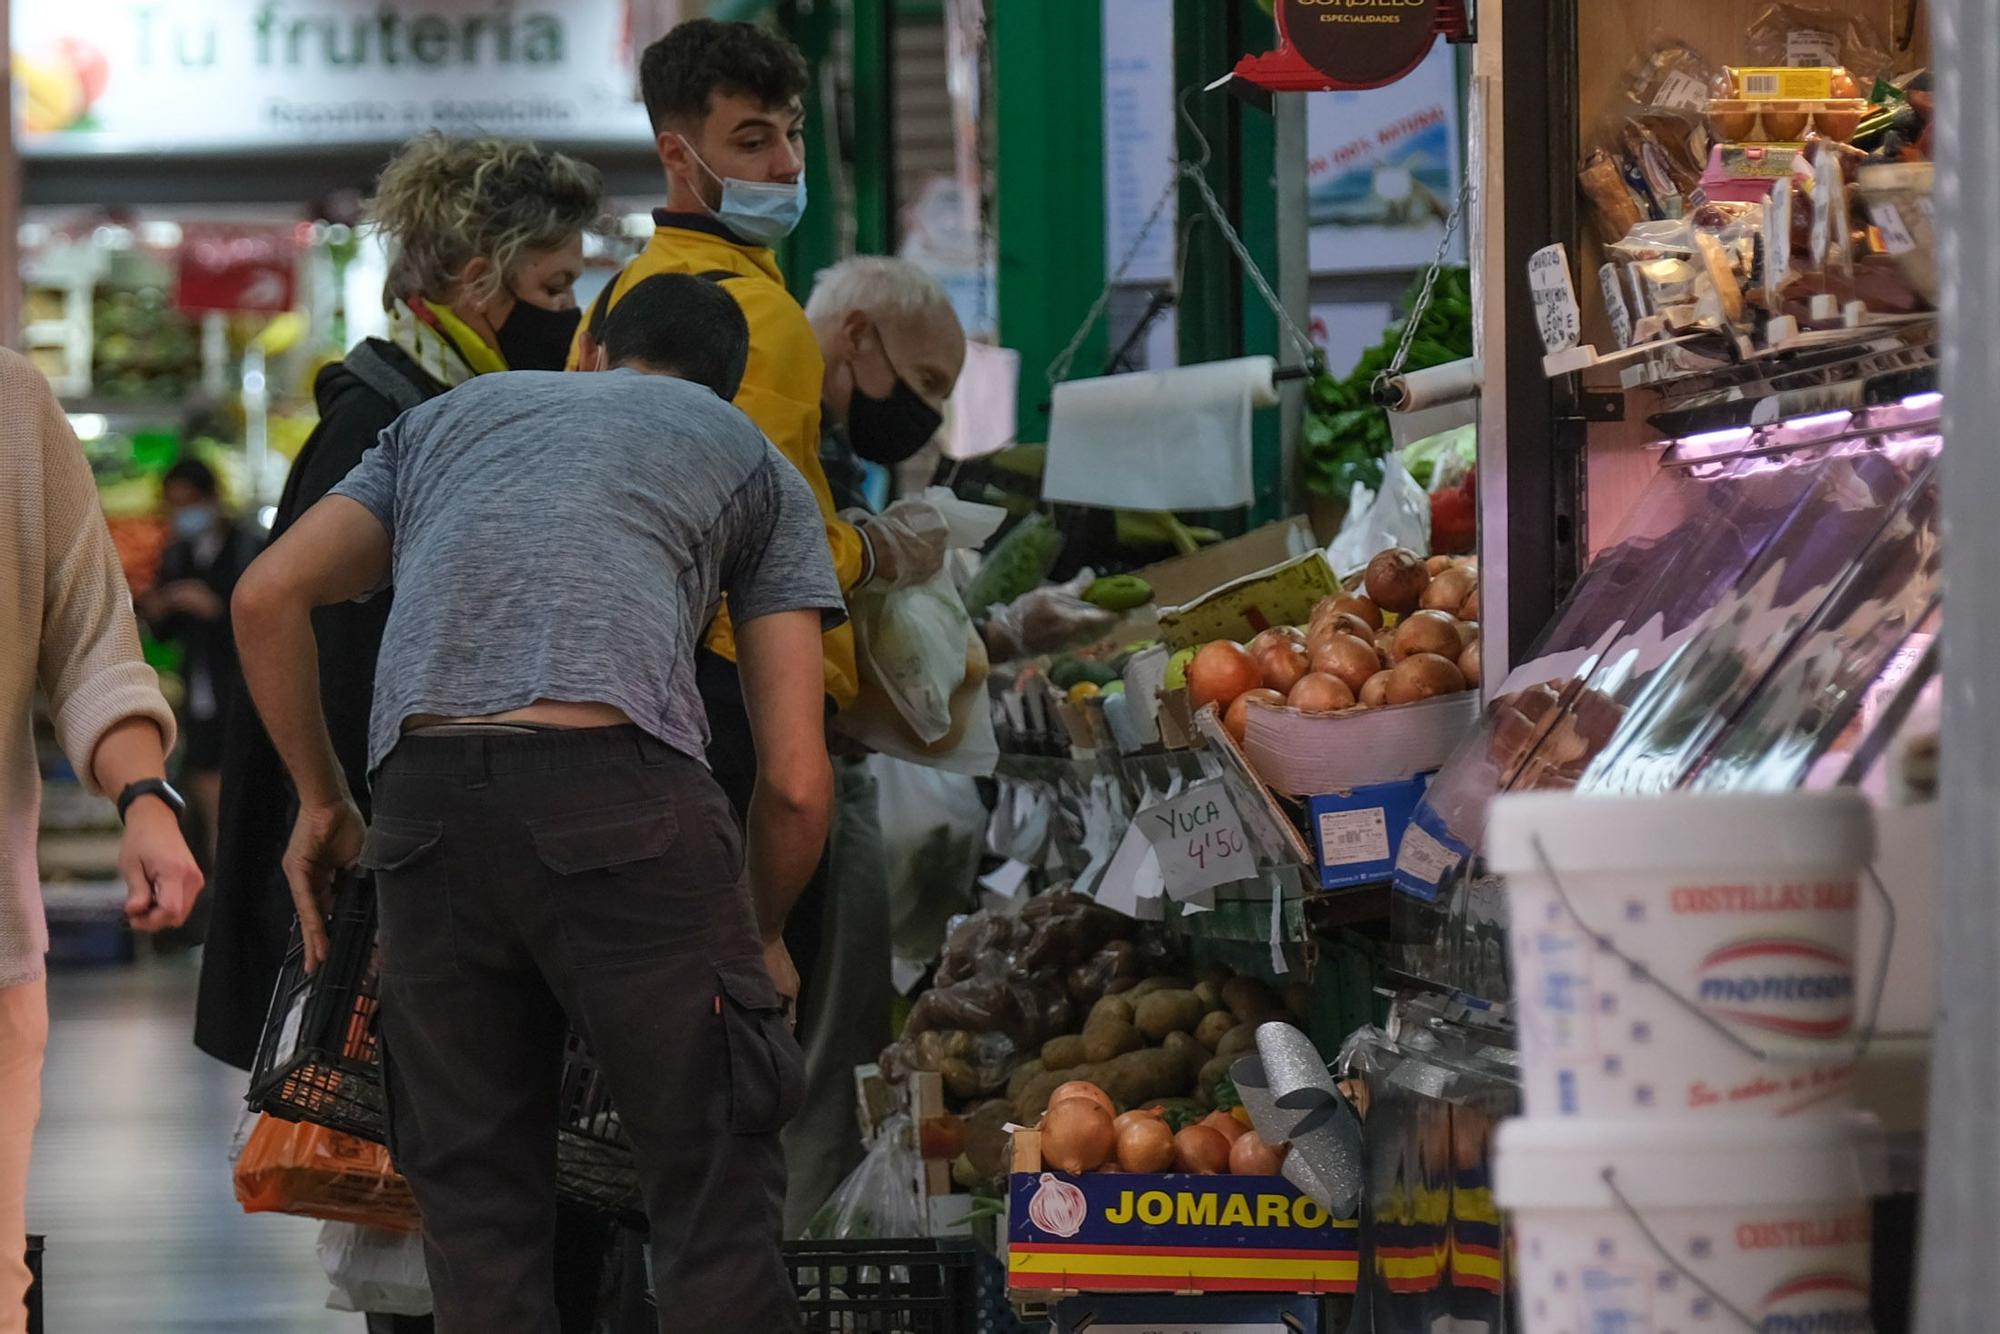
(443, 203)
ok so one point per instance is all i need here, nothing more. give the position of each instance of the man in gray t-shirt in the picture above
(548, 848)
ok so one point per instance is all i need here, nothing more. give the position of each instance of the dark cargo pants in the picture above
(591, 878)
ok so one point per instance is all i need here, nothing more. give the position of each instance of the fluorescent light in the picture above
(88, 425)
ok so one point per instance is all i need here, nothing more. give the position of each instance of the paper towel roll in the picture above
(1158, 440)
(1453, 382)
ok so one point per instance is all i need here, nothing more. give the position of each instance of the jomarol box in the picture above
(1140, 1232)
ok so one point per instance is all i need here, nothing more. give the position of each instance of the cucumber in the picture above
(1118, 592)
(1017, 564)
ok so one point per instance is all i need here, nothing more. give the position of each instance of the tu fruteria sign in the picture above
(133, 76)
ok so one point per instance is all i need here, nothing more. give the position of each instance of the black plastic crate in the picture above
(919, 1286)
(35, 1248)
(320, 1061)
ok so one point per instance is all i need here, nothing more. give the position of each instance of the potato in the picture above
(1298, 1001)
(1210, 994)
(1023, 1072)
(1108, 1038)
(1237, 1041)
(1249, 999)
(961, 1078)
(1063, 1052)
(1140, 1077)
(1209, 1032)
(1166, 1012)
(1033, 1099)
(1111, 1007)
(1193, 1055)
(1211, 1073)
(1152, 984)
(1217, 973)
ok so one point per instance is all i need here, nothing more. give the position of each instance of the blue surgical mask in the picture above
(193, 522)
(763, 212)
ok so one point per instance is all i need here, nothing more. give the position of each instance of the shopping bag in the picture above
(374, 1270)
(879, 1198)
(294, 1167)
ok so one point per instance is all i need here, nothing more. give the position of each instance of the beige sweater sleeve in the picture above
(89, 664)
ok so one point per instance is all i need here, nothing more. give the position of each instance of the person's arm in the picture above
(109, 715)
(338, 551)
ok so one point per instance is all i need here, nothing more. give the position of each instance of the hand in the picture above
(326, 840)
(161, 878)
(909, 540)
(194, 598)
(784, 976)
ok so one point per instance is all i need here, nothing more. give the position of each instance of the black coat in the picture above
(251, 909)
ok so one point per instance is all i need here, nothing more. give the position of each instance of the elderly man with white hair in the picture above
(893, 350)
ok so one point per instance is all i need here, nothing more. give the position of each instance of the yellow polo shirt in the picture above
(780, 392)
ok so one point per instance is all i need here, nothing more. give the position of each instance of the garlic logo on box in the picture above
(1796, 988)
(1817, 1304)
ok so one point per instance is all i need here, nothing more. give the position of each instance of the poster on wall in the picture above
(1383, 170)
(1138, 138)
(139, 76)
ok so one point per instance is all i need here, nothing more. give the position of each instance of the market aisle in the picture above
(131, 1182)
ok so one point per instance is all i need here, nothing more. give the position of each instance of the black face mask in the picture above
(533, 338)
(889, 430)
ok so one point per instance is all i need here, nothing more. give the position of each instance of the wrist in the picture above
(151, 811)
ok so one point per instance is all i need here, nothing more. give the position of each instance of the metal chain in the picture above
(1421, 306)
(1300, 341)
(1059, 368)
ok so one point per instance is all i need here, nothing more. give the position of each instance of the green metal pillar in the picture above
(812, 25)
(874, 152)
(1048, 71)
(1221, 315)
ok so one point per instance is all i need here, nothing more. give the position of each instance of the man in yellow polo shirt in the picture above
(725, 100)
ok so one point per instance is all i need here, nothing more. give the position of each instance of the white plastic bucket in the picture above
(1772, 1216)
(1740, 912)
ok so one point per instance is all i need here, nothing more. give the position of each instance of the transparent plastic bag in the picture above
(1400, 516)
(374, 1270)
(879, 1198)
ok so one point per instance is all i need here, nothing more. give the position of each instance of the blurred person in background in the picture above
(485, 240)
(188, 605)
(66, 627)
(894, 349)
(728, 116)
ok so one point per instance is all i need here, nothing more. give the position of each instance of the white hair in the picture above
(885, 287)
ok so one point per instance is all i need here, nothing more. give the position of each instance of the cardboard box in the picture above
(1210, 1314)
(1171, 1233)
(1185, 578)
(1355, 835)
(1301, 754)
(1251, 603)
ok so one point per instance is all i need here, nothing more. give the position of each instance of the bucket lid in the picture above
(1545, 1163)
(1734, 831)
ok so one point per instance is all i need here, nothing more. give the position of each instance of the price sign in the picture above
(1777, 242)
(1556, 310)
(1832, 190)
(1614, 304)
(1199, 840)
(1823, 205)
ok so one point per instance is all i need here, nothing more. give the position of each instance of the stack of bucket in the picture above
(1686, 1000)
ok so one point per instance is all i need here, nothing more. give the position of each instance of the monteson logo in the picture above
(1817, 1304)
(1796, 988)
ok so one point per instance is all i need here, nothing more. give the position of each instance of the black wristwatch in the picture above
(151, 787)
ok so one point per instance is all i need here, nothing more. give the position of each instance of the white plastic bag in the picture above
(374, 1270)
(879, 1198)
(933, 831)
(1399, 516)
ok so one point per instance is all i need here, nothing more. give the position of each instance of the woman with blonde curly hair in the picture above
(485, 241)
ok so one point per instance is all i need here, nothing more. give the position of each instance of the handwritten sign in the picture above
(1778, 242)
(1896, 238)
(1823, 205)
(1199, 839)
(1556, 311)
(1614, 304)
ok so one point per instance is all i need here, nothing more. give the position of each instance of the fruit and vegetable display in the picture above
(1029, 1008)
(1083, 1131)
(1408, 632)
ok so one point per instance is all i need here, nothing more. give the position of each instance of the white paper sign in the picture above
(984, 405)
(1810, 48)
(1614, 304)
(1349, 838)
(1131, 884)
(1778, 240)
(1199, 839)
(1683, 92)
(1896, 238)
(1555, 297)
(1823, 205)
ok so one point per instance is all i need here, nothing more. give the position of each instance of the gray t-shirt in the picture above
(569, 537)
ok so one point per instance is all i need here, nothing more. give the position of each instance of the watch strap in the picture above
(150, 787)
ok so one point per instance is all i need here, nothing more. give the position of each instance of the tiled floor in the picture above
(132, 1180)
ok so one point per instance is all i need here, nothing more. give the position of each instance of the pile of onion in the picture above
(1077, 1136)
(1145, 1141)
(1219, 673)
(1201, 1149)
(1250, 1156)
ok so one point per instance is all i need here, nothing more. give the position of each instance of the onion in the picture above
(1428, 632)
(1083, 1088)
(1470, 663)
(1347, 658)
(1225, 1125)
(1202, 1150)
(1437, 565)
(1375, 692)
(1347, 623)
(1396, 580)
(1136, 1115)
(1145, 1146)
(1318, 692)
(1219, 673)
(1385, 648)
(1355, 604)
(1250, 1156)
(1236, 721)
(1283, 662)
(1448, 591)
(1077, 1136)
(1423, 676)
(1469, 608)
(1277, 634)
